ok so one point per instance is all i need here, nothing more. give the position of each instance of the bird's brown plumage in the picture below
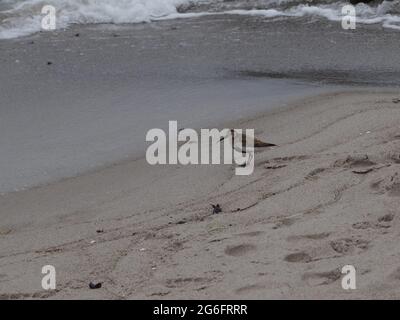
(261, 144)
(257, 143)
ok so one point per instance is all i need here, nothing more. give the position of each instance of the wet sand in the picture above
(103, 90)
(108, 86)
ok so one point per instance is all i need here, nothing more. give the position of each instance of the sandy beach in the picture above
(77, 193)
(326, 197)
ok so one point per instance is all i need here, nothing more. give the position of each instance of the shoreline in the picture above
(138, 149)
(283, 229)
(275, 109)
(90, 108)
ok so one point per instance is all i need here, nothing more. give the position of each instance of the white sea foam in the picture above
(23, 17)
(333, 12)
(20, 18)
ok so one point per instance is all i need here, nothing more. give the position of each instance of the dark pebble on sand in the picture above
(216, 208)
(95, 285)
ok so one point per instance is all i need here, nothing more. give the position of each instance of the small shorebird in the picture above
(241, 143)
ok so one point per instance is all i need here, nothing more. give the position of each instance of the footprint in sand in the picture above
(382, 222)
(354, 161)
(249, 289)
(390, 185)
(394, 156)
(363, 225)
(386, 218)
(385, 221)
(321, 278)
(315, 236)
(285, 222)
(239, 250)
(181, 282)
(299, 257)
(349, 245)
(250, 234)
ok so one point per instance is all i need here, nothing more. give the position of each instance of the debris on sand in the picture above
(216, 209)
(93, 285)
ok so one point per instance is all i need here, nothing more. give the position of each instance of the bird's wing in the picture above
(261, 144)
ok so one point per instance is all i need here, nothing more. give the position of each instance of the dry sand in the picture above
(326, 197)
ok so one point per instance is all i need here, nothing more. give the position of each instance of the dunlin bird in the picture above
(241, 143)
(245, 144)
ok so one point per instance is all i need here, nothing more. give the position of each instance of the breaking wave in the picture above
(23, 17)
